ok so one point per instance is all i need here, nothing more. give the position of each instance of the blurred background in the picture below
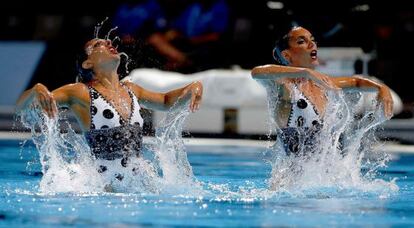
(43, 42)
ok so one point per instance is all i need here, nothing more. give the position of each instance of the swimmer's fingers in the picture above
(195, 103)
(388, 108)
(329, 84)
(333, 86)
(324, 80)
(48, 104)
(196, 95)
(43, 103)
(54, 110)
(385, 97)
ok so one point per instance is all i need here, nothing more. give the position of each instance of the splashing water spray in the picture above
(127, 61)
(110, 31)
(172, 161)
(98, 27)
(341, 155)
(69, 166)
(65, 157)
(107, 37)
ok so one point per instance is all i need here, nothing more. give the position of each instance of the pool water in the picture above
(233, 179)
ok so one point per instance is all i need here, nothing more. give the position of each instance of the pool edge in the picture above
(389, 147)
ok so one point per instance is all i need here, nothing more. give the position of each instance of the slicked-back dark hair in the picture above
(282, 44)
(84, 75)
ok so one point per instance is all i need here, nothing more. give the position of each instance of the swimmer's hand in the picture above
(43, 98)
(196, 91)
(275, 72)
(384, 95)
(323, 79)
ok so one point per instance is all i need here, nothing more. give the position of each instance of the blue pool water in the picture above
(233, 181)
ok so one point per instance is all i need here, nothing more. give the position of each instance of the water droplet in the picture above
(110, 31)
(98, 27)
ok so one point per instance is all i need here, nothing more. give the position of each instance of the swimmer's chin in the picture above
(117, 56)
(314, 64)
(311, 65)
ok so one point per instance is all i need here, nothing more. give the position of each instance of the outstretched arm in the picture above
(40, 96)
(274, 72)
(384, 93)
(37, 95)
(163, 101)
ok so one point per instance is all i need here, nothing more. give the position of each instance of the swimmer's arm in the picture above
(163, 101)
(70, 94)
(192, 92)
(384, 93)
(48, 101)
(273, 72)
(38, 95)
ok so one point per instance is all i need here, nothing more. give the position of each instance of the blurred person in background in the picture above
(184, 36)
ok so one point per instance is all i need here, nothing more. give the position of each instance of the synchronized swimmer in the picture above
(302, 113)
(107, 110)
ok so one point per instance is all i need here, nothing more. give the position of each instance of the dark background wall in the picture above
(383, 28)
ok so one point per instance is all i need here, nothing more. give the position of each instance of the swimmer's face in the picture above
(100, 52)
(302, 51)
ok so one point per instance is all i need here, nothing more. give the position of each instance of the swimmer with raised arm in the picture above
(296, 55)
(107, 110)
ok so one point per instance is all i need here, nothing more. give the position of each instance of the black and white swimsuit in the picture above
(303, 125)
(116, 144)
(111, 136)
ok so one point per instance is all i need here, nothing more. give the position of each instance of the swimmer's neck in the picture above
(109, 80)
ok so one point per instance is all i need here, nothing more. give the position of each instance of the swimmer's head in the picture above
(98, 55)
(296, 48)
(101, 55)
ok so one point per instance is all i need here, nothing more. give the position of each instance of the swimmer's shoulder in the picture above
(134, 87)
(74, 88)
(70, 91)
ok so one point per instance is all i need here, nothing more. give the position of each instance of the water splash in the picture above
(98, 27)
(115, 40)
(110, 31)
(342, 153)
(172, 161)
(65, 161)
(68, 165)
(126, 62)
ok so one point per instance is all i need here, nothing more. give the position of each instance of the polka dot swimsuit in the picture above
(104, 115)
(302, 113)
(111, 136)
(113, 140)
(303, 127)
